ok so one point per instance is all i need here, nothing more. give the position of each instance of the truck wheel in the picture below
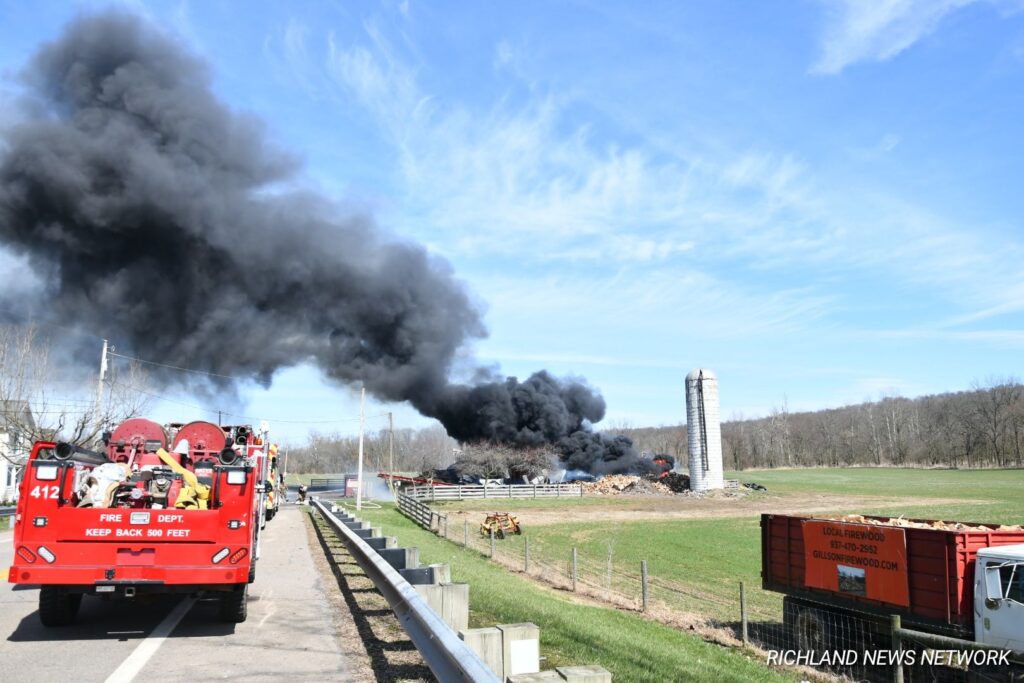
(810, 630)
(234, 605)
(252, 572)
(58, 607)
(270, 514)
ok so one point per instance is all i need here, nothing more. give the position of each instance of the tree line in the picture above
(407, 450)
(980, 427)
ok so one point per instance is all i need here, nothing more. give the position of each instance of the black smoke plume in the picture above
(599, 454)
(160, 218)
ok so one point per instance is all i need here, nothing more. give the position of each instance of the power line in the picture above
(175, 367)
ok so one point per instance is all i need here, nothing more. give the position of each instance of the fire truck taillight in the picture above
(221, 554)
(39, 521)
(45, 553)
(236, 476)
(238, 555)
(26, 554)
(46, 472)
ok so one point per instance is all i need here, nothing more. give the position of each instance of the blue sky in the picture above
(818, 200)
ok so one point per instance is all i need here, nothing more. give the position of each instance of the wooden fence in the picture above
(419, 512)
(480, 492)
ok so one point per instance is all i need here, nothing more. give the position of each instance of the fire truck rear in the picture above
(150, 514)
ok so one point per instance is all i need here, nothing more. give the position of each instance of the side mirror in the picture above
(992, 604)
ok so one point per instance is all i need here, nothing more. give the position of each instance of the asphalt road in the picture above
(289, 631)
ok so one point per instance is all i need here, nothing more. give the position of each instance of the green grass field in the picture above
(695, 564)
(632, 647)
(971, 495)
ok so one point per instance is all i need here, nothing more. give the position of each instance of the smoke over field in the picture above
(156, 216)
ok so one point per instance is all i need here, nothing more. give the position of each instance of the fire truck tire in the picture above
(270, 513)
(57, 607)
(234, 605)
(252, 572)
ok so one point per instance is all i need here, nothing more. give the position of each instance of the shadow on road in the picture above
(122, 620)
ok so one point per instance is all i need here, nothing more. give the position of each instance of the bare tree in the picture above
(59, 404)
(994, 409)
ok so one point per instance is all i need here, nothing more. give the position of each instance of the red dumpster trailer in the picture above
(148, 514)
(963, 580)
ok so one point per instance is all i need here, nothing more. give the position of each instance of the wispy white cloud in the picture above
(877, 30)
(680, 303)
(523, 178)
(517, 179)
(1002, 338)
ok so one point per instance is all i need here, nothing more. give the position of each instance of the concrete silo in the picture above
(704, 431)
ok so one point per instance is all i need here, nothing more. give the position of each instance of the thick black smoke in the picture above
(540, 410)
(602, 454)
(158, 217)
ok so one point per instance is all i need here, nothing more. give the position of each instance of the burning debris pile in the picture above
(676, 482)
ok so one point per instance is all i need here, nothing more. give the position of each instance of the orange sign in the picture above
(857, 559)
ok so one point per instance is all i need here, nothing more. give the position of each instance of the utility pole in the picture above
(391, 452)
(359, 471)
(99, 384)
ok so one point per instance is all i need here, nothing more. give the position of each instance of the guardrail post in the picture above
(448, 658)
(534, 490)
(558, 490)
(574, 569)
(643, 583)
(897, 645)
(526, 554)
(485, 490)
(743, 614)
(492, 543)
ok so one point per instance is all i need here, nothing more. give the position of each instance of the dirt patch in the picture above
(661, 508)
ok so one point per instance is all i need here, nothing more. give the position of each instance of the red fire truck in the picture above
(154, 513)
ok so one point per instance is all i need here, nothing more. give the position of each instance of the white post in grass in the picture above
(359, 470)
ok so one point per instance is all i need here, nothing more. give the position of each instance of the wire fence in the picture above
(819, 642)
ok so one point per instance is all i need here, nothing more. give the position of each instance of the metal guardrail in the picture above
(475, 492)
(7, 512)
(448, 657)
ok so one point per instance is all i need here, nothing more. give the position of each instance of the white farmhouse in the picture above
(15, 419)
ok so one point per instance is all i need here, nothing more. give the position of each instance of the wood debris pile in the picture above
(907, 523)
(617, 484)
